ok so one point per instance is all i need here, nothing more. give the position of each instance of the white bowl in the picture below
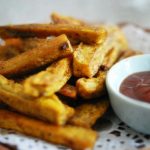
(134, 113)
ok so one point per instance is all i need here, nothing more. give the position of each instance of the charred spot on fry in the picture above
(103, 68)
(87, 34)
(64, 46)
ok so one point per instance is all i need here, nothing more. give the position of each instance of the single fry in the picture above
(30, 43)
(45, 53)
(46, 83)
(68, 91)
(77, 138)
(59, 19)
(46, 108)
(88, 58)
(86, 34)
(15, 46)
(87, 114)
(91, 87)
(110, 59)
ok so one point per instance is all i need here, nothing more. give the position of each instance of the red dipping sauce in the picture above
(137, 86)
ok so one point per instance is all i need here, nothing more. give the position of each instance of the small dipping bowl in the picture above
(134, 113)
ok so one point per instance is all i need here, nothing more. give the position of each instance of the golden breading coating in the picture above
(91, 87)
(85, 34)
(49, 81)
(43, 54)
(46, 108)
(77, 138)
(87, 114)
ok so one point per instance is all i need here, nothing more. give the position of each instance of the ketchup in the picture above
(137, 86)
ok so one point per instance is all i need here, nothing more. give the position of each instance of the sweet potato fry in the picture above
(77, 138)
(47, 108)
(78, 33)
(87, 114)
(91, 87)
(15, 46)
(88, 58)
(68, 91)
(59, 19)
(56, 48)
(46, 83)
(111, 57)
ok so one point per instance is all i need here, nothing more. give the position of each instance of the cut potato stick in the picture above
(68, 91)
(30, 43)
(46, 83)
(79, 33)
(59, 19)
(77, 138)
(15, 46)
(87, 114)
(110, 59)
(56, 48)
(88, 58)
(47, 108)
(91, 87)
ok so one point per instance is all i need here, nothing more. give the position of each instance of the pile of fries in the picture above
(53, 78)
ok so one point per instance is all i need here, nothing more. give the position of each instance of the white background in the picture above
(20, 11)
